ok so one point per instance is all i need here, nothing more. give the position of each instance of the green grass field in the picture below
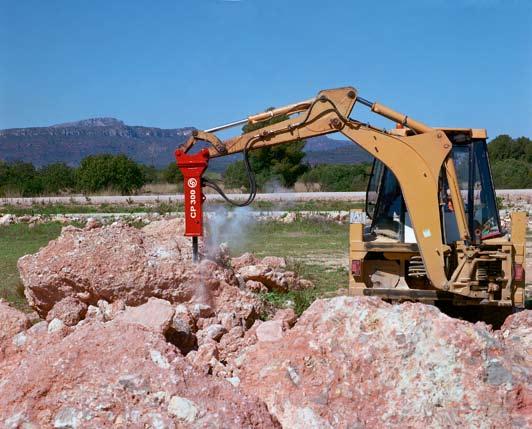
(165, 207)
(16, 241)
(54, 209)
(316, 250)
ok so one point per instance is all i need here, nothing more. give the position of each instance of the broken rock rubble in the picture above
(347, 362)
(136, 336)
(267, 274)
(121, 373)
(121, 263)
(360, 362)
(69, 310)
(117, 262)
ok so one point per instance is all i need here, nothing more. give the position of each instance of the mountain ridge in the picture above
(70, 142)
(92, 122)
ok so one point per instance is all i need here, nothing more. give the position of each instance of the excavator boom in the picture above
(418, 158)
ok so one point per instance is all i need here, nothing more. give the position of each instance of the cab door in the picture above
(386, 207)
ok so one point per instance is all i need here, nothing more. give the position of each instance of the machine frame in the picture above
(418, 156)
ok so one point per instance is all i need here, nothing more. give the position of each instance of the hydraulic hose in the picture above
(251, 180)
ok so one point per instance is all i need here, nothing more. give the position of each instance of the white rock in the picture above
(14, 421)
(235, 381)
(216, 331)
(183, 409)
(20, 339)
(67, 418)
(159, 360)
(55, 325)
(94, 313)
(92, 223)
(157, 421)
(160, 397)
(104, 308)
(200, 311)
(7, 219)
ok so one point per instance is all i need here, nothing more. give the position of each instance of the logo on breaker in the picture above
(192, 197)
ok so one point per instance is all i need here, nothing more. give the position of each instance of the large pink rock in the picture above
(272, 330)
(243, 260)
(156, 315)
(235, 307)
(69, 310)
(275, 279)
(115, 374)
(120, 263)
(117, 262)
(12, 321)
(274, 262)
(287, 316)
(359, 362)
(269, 271)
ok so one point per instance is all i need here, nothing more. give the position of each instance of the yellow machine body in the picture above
(469, 270)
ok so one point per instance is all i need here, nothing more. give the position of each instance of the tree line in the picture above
(511, 162)
(116, 173)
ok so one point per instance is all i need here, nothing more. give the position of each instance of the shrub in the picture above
(511, 161)
(57, 177)
(338, 177)
(172, 174)
(235, 176)
(150, 173)
(512, 174)
(109, 171)
(282, 163)
(19, 178)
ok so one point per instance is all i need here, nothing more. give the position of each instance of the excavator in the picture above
(430, 231)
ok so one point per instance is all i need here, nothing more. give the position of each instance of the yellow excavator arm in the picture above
(416, 160)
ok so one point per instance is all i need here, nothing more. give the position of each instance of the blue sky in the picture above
(205, 62)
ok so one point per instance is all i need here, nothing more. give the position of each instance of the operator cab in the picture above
(386, 207)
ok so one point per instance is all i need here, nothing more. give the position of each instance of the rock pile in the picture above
(135, 336)
(359, 362)
(123, 263)
(121, 373)
(110, 263)
(347, 362)
(68, 218)
(267, 274)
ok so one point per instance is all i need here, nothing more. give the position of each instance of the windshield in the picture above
(474, 177)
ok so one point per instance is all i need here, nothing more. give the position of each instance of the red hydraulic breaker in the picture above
(193, 167)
